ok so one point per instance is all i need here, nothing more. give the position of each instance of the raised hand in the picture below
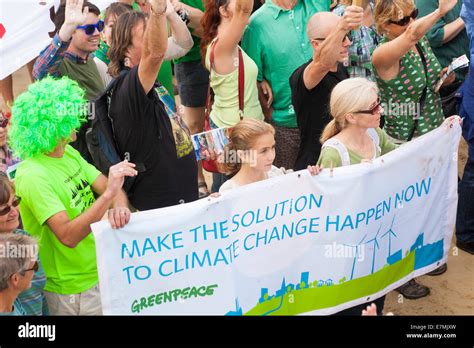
(74, 15)
(169, 8)
(159, 6)
(352, 18)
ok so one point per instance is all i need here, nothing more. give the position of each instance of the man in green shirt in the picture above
(69, 54)
(276, 40)
(56, 187)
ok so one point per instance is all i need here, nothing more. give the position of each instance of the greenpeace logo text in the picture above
(37, 331)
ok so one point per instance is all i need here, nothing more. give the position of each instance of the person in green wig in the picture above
(58, 191)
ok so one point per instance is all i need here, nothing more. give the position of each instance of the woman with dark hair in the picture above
(224, 22)
(31, 299)
(146, 128)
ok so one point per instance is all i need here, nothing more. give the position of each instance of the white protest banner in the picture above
(293, 244)
(24, 28)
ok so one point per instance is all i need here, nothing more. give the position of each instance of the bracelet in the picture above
(158, 14)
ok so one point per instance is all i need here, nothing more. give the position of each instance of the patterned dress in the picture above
(401, 95)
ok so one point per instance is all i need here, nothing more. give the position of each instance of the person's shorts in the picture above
(193, 83)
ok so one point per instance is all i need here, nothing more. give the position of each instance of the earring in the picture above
(126, 62)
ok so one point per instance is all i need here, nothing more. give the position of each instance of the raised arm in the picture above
(386, 57)
(453, 29)
(230, 38)
(328, 54)
(194, 14)
(180, 41)
(155, 42)
(49, 60)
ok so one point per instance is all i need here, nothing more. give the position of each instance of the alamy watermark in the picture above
(405, 109)
(73, 109)
(344, 251)
(9, 250)
(239, 157)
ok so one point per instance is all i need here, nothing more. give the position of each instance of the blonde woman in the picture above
(353, 135)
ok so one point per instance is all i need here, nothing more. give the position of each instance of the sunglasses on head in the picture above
(89, 29)
(372, 111)
(405, 20)
(8, 208)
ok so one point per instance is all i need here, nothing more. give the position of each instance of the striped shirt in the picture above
(32, 300)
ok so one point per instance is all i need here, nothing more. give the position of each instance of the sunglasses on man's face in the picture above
(405, 20)
(348, 36)
(89, 29)
(9, 207)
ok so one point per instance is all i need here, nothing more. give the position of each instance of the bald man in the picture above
(312, 83)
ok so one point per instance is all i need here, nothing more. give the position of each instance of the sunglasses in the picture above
(34, 268)
(4, 119)
(348, 36)
(372, 111)
(89, 29)
(405, 20)
(4, 122)
(8, 208)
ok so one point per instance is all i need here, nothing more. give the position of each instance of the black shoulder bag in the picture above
(423, 94)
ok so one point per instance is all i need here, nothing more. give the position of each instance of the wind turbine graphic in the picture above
(357, 247)
(376, 246)
(390, 233)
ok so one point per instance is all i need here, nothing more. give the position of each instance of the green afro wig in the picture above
(46, 114)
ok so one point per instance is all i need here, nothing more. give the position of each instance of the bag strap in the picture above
(108, 94)
(341, 149)
(241, 82)
(423, 94)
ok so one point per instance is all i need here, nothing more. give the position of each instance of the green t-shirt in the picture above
(276, 40)
(48, 186)
(194, 55)
(86, 75)
(330, 155)
(445, 52)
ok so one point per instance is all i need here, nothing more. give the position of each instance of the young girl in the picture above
(249, 156)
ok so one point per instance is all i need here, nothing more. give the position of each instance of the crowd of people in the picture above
(311, 84)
